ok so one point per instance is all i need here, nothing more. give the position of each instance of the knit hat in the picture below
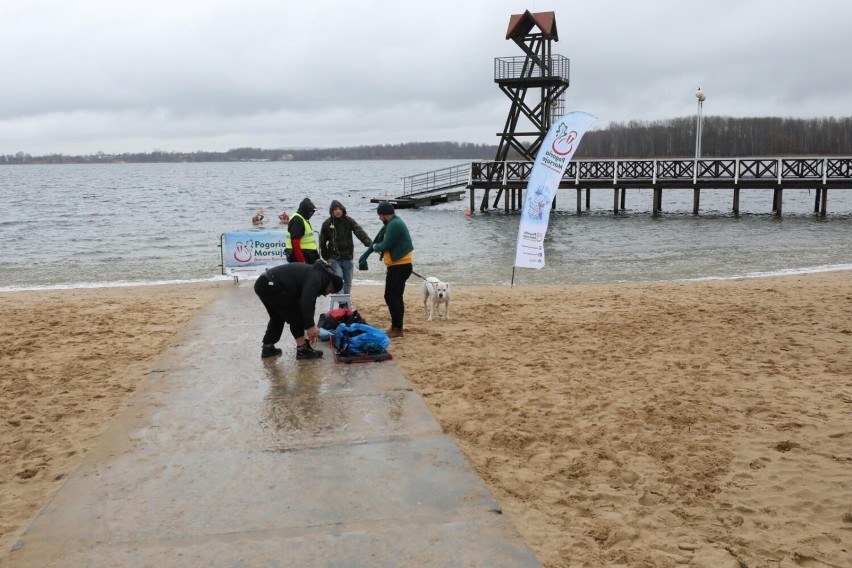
(385, 208)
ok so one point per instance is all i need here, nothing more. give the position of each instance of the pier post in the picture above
(483, 206)
(615, 200)
(579, 200)
(823, 202)
(623, 194)
(588, 198)
(777, 198)
(472, 199)
(736, 206)
(657, 205)
(696, 197)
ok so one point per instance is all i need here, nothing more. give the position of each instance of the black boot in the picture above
(306, 351)
(270, 351)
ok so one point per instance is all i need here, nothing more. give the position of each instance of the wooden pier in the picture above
(776, 174)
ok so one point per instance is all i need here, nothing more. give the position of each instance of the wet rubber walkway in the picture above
(224, 459)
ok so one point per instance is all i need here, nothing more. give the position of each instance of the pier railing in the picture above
(705, 173)
(437, 180)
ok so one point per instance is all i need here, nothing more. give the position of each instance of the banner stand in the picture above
(250, 253)
(556, 151)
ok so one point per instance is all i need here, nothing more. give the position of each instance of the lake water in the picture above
(113, 224)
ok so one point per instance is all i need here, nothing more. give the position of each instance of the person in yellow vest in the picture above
(301, 243)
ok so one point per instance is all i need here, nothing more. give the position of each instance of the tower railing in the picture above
(558, 67)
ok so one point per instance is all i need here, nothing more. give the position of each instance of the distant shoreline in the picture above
(674, 138)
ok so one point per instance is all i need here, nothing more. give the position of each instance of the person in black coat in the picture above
(337, 245)
(289, 293)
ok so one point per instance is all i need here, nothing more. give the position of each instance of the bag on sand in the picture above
(360, 338)
(326, 322)
(331, 319)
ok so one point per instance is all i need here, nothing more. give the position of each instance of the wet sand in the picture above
(697, 423)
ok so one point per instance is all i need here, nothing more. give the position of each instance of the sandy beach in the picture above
(686, 423)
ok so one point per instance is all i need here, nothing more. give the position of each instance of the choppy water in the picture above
(92, 225)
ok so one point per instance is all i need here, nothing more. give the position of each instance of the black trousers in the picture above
(394, 289)
(281, 309)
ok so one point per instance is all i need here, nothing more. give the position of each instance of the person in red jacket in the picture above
(301, 242)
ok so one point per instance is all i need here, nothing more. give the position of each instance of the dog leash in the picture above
(431, 284)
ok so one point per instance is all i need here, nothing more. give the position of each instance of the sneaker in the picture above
(270, 351)
(306, 351)
(395, 332)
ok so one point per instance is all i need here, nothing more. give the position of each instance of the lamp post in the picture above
(699, 94)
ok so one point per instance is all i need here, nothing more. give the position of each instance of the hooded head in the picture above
(336, 283)
(329, 277)
(307, 208)
(334, 205)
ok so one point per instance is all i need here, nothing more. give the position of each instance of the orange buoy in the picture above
(467, 212)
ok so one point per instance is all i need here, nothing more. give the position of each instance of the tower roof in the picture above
(521, 24)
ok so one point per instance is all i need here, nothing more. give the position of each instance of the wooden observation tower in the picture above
(535, 83)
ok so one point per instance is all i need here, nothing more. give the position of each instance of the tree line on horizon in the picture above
(721, 137)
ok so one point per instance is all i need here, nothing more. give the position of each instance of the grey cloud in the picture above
(125, 76)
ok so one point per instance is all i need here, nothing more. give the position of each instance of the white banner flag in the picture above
(556, 151)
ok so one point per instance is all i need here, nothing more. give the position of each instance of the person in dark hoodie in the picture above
(336, 244)
(289, 293)
(301, 243)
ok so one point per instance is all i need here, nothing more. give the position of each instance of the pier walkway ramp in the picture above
(431, 188)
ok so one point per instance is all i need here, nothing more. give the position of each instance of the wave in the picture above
(780, 272)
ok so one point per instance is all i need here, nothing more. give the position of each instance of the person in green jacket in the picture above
(393, 243)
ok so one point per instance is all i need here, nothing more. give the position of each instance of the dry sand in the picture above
(693, 423)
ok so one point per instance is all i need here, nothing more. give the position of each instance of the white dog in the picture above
(436, 293)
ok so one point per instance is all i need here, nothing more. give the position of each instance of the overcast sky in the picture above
(82, 76)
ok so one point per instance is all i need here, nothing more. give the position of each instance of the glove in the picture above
(362, 260)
